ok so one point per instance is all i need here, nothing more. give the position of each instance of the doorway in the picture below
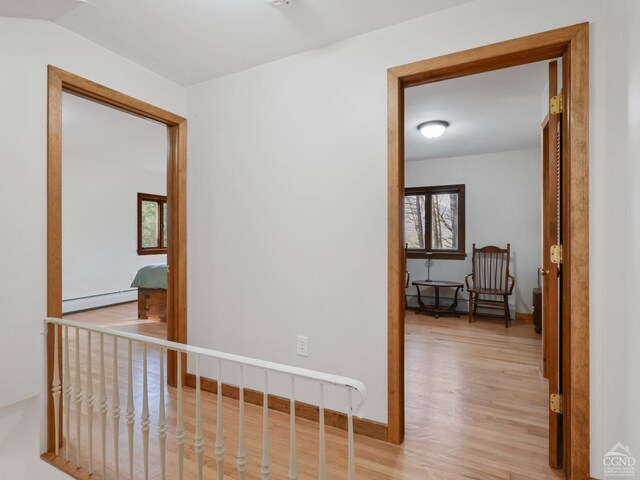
(114, 229)
(62, 82)
(570, 44)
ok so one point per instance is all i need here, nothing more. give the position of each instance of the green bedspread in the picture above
(151, 276)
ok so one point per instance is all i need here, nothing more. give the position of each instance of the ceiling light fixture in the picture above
(433, 129)
(280, 3)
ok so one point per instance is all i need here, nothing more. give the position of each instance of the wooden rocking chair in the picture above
(490, 278)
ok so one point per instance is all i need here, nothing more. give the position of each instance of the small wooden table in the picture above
(436, 309)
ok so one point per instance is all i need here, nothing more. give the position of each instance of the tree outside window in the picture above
(434, 222)
(152, 224)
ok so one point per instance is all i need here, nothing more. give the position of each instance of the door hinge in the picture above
(555, 402)
(556, 105)
(556, 254)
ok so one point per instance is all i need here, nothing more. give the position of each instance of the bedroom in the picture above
(473, 229)
(114, 218)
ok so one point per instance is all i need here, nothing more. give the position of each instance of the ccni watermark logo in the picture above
(618, 462)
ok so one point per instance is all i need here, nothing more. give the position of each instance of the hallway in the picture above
(476, 408)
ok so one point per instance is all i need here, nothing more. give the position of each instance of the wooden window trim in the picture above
(161, 200)
(429, 252)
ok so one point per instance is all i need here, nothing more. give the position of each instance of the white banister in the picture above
(66, 381)
(293, 455)
(89, 399)
(115, 409)
(131, 412)
(322, 458)
(77, 398)
(162, 420)
(55, 390)
(145, 421)
(312, 375)
(180, 420)
(219, 430)
(242, 447)
(176, 401)
(198, 440)
(102, 408)
(266, 454)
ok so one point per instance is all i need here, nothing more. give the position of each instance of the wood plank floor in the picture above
(475, 405)
(122, 317)
(476, 402)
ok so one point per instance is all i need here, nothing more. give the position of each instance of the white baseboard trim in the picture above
(101, 300)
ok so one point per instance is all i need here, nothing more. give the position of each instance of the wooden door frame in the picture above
(572, 44)
(60, 81)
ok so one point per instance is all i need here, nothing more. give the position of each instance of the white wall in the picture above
(503, 205)
(99, 225)
(288, 164)
(26, 47)
(303, 140)
(615, 233)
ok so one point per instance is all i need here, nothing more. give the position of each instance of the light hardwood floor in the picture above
(121, 317)
(475, 404)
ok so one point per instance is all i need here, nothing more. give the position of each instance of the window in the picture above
(152, 224)
(434, 222)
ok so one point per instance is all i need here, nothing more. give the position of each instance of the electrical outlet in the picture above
(303, 346)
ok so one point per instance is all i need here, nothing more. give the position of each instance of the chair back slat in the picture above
(490, 267)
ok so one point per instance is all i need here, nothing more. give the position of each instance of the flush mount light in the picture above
(433, 129)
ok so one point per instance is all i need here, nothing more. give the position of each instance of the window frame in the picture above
(161, 200)
(428, 251)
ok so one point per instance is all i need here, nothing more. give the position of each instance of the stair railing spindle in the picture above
(131, 412)
(219, 427)
(293, 456)
(198, 441)
(66, 382)
(145, 421)
(266, 454)
(102, 408)
(322, 458)
(352, 459)
(55, 391)
(115, 410)
(180, 422)
(162, 420)
(242, 447)
(77, 398)
(90, 402)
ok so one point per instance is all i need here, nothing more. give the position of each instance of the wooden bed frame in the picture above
(152, 303)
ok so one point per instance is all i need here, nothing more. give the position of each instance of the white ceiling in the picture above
(41, 9)
(190, 41)
(497, 111)
(95, 132)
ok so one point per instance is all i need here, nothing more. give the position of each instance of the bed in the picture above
(151, 282)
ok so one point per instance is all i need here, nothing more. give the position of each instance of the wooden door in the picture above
(552, 283)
